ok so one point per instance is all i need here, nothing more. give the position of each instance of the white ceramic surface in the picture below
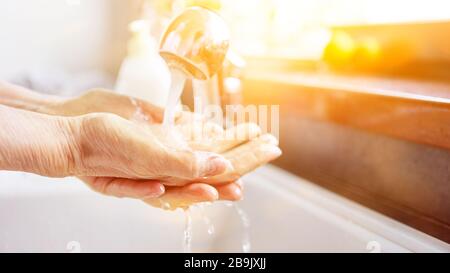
(287, 214)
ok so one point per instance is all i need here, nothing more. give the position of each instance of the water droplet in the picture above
(139, 114)
(164, 205)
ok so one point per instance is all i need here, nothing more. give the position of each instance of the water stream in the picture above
(187, 239)
(209, 225)
(245, 222)
(178, 81)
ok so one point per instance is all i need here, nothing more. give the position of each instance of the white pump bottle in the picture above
(144, 74)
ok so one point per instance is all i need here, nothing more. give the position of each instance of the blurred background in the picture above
(345, 35)
(363, 85)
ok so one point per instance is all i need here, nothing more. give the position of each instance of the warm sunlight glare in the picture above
(301, 28)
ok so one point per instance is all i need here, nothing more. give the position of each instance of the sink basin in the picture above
(287, 214)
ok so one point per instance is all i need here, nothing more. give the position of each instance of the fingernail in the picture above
(214, 165)
(231, 192)
(272, 151)
(238, 193)
(203, 193)
(270, 139)
(213, 195)
(276, 152)
(253, 130)
(157, 191)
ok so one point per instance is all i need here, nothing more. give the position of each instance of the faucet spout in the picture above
(196, 42)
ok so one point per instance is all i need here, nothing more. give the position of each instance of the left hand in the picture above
(102, 100)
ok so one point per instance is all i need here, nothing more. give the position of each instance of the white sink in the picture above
(287, 214)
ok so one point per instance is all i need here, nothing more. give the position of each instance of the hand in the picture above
(252, 151)
(110, 146)
(104, 101)
(256, 151)
(123, 159)
(95, 101)
(244, 158)
(57, 146)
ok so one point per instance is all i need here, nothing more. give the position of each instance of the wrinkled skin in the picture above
(122, 153)
(245, 153)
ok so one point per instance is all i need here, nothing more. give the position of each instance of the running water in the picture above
(178, 80)
(164, 205)
(245, 221)
(206, 220)
(176, 88)
(187, 247)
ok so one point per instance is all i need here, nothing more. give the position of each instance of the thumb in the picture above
(196, 164)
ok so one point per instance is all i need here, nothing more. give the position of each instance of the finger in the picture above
(240, 183)
(142, 155)
(190, 165)
(236, 135)
(123, 187)
(183, 197)
(247, 157)
(204, 131)
(230, 191)
(253, 154)
(198, 132)
(123, 105)
(213, 138)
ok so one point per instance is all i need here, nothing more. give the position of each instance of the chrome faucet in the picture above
(196, 42)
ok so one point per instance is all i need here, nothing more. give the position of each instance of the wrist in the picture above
(23, 98)
(80, 134)
(36, 143)
(47, 104)
(71, 138)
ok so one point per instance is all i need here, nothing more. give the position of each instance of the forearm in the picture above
(36, 143)
(20, 97)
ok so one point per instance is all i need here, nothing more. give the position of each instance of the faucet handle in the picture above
(196, 42)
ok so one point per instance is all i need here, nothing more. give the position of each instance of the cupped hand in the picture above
(110, 146)
(242, 145)
(170, 185)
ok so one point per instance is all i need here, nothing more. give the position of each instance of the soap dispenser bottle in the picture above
(144, 74)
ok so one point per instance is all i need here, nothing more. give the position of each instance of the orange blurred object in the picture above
(340, 50)
(367, 54)
(398, 53)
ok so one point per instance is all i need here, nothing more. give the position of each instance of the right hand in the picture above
(147, 157)
(107, 145)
